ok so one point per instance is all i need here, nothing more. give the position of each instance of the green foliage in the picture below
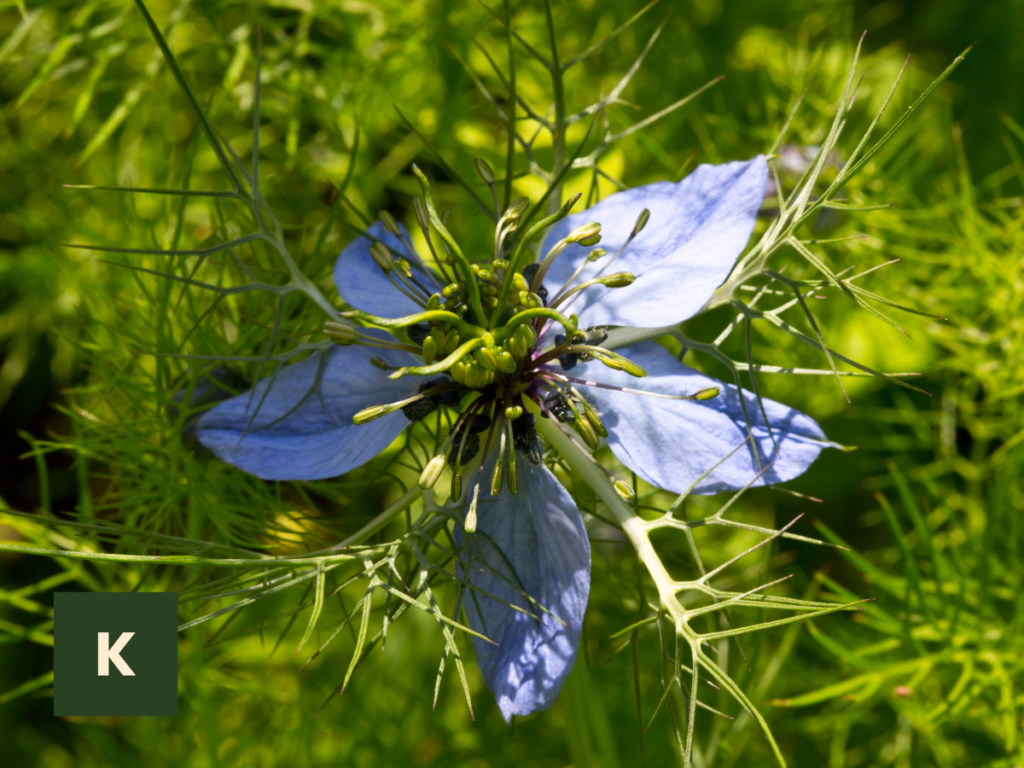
(925, 675)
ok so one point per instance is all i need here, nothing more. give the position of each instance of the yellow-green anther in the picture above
(456, 487)
(379, 362)
(581, 233)
(434, 302)
(375, 412)
(484, 170)
(458, 372)
(429, 350)
(470, 524)
(451, 290)
(517, 209)
(591, 416)
(519, 284)
(623, 490)
(708, 394)
(513, 412)
(596, 254)
(485, 274)
(382, 256)
(586, 431)
(496, 477)
(632, 368)
(403, 266)
(506, 363)
(641, 222)
(617, 280)
(451, 341)
(588, 241)
(525, 330)
(533, 301)
(421, 213)
(432, 472)
(340, 333)
(439, 339)
(612, 363)
(485, 359)
(487, 289)
(389, 223)
(497, 264)
(487, 339)
(516, 347)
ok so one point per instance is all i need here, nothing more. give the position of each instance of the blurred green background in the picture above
(930, 674)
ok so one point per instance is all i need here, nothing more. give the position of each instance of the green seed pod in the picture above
(429, 350)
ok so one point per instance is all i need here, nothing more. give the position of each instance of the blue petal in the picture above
(697, 229)
(539, 532)
(305, 432)
(670, 443)
(363, 285)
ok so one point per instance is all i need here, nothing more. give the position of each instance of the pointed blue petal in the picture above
(363, 285)
(670, 443)
(697, 229)
(539, 533)
(303, 430)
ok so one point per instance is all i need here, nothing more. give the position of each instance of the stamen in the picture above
(392, 226)
(616, 280)
(641, 222)
(345, 335)
(485, 172)
(588, 234)
(708, 393)
(424, 224)
(444, 365)
(595, 254)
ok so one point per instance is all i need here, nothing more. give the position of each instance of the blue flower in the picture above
(487, 344)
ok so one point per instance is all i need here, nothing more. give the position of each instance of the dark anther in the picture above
(529, 272)
(451, 399)
(472, 446)
(529, 443)
(568, 362)
(478, 424)
(419, 409)
(558, 407)
(522, 425)
(418, 332)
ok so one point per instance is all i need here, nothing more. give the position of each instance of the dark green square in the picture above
(151, 653)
